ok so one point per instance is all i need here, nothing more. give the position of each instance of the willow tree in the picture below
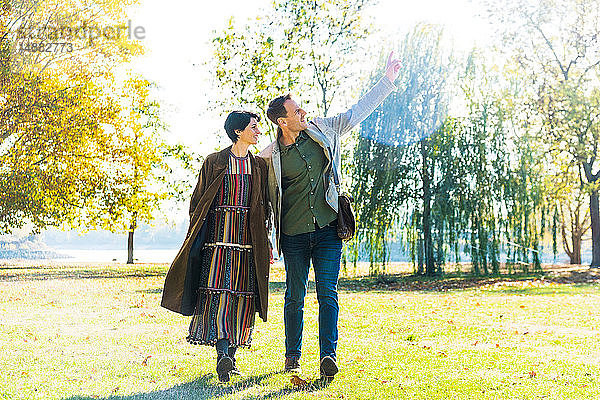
(395, 139)
(450, 184)
(557, 44)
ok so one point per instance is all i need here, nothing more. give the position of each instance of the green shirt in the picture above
(303, 189)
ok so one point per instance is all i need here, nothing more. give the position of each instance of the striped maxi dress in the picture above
(227, 294)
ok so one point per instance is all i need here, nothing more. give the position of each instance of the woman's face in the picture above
(250, 134)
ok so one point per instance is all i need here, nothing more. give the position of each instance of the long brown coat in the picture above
(182, 281)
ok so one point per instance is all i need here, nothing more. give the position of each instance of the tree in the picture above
(572, 120)
(398, 136)
(145, 174)
(558, 45)
(305, 46)
(65, 156)
(567, 195)
(329, 34)
(448, 183)
(54, 143)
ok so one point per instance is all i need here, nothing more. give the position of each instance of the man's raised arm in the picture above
(346, 121)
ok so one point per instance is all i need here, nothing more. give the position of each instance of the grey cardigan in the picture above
(327, 133)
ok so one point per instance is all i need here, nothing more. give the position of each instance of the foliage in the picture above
(466, 184)
(303, 46)
(140, 175)
(557, 44)
(74, 144)
(53, 144)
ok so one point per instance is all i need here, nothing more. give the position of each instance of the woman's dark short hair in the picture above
(277, 110)
(238, 121)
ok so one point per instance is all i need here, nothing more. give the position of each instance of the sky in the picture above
(177, 45)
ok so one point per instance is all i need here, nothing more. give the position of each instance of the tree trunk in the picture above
(483, 241)
(130, 247)
(474, 250)
(420, 257)
(132, 228)
(594, 213)
(427, 241)
(595, 218)
(575, 256)
(576, 233)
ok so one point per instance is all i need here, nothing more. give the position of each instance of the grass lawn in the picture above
(97, 331)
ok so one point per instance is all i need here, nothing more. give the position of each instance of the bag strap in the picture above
(336, 179)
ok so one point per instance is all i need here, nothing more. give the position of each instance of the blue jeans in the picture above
(324, 248)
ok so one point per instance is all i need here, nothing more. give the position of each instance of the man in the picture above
(305, 203)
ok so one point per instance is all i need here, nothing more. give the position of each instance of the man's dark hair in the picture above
(277, 110)
(238, 121)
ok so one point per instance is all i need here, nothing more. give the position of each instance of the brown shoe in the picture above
(292, 365)
(328, 368)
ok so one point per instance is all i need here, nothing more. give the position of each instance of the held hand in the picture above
(392, 69)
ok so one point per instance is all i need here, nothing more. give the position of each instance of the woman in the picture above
(221, 273)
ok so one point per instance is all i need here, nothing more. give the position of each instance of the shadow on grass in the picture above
(207, 387)
(443, 283)
(61, 272)
(563, 283)
(387, 282)
(312, 385)
(562, 289)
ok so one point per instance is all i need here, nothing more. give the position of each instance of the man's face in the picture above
(294, 121)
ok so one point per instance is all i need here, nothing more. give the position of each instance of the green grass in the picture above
(97, 331)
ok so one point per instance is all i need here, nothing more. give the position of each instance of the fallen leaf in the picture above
(532, 374)
(297, 381)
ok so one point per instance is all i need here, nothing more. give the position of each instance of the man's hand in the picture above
(392, 69)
